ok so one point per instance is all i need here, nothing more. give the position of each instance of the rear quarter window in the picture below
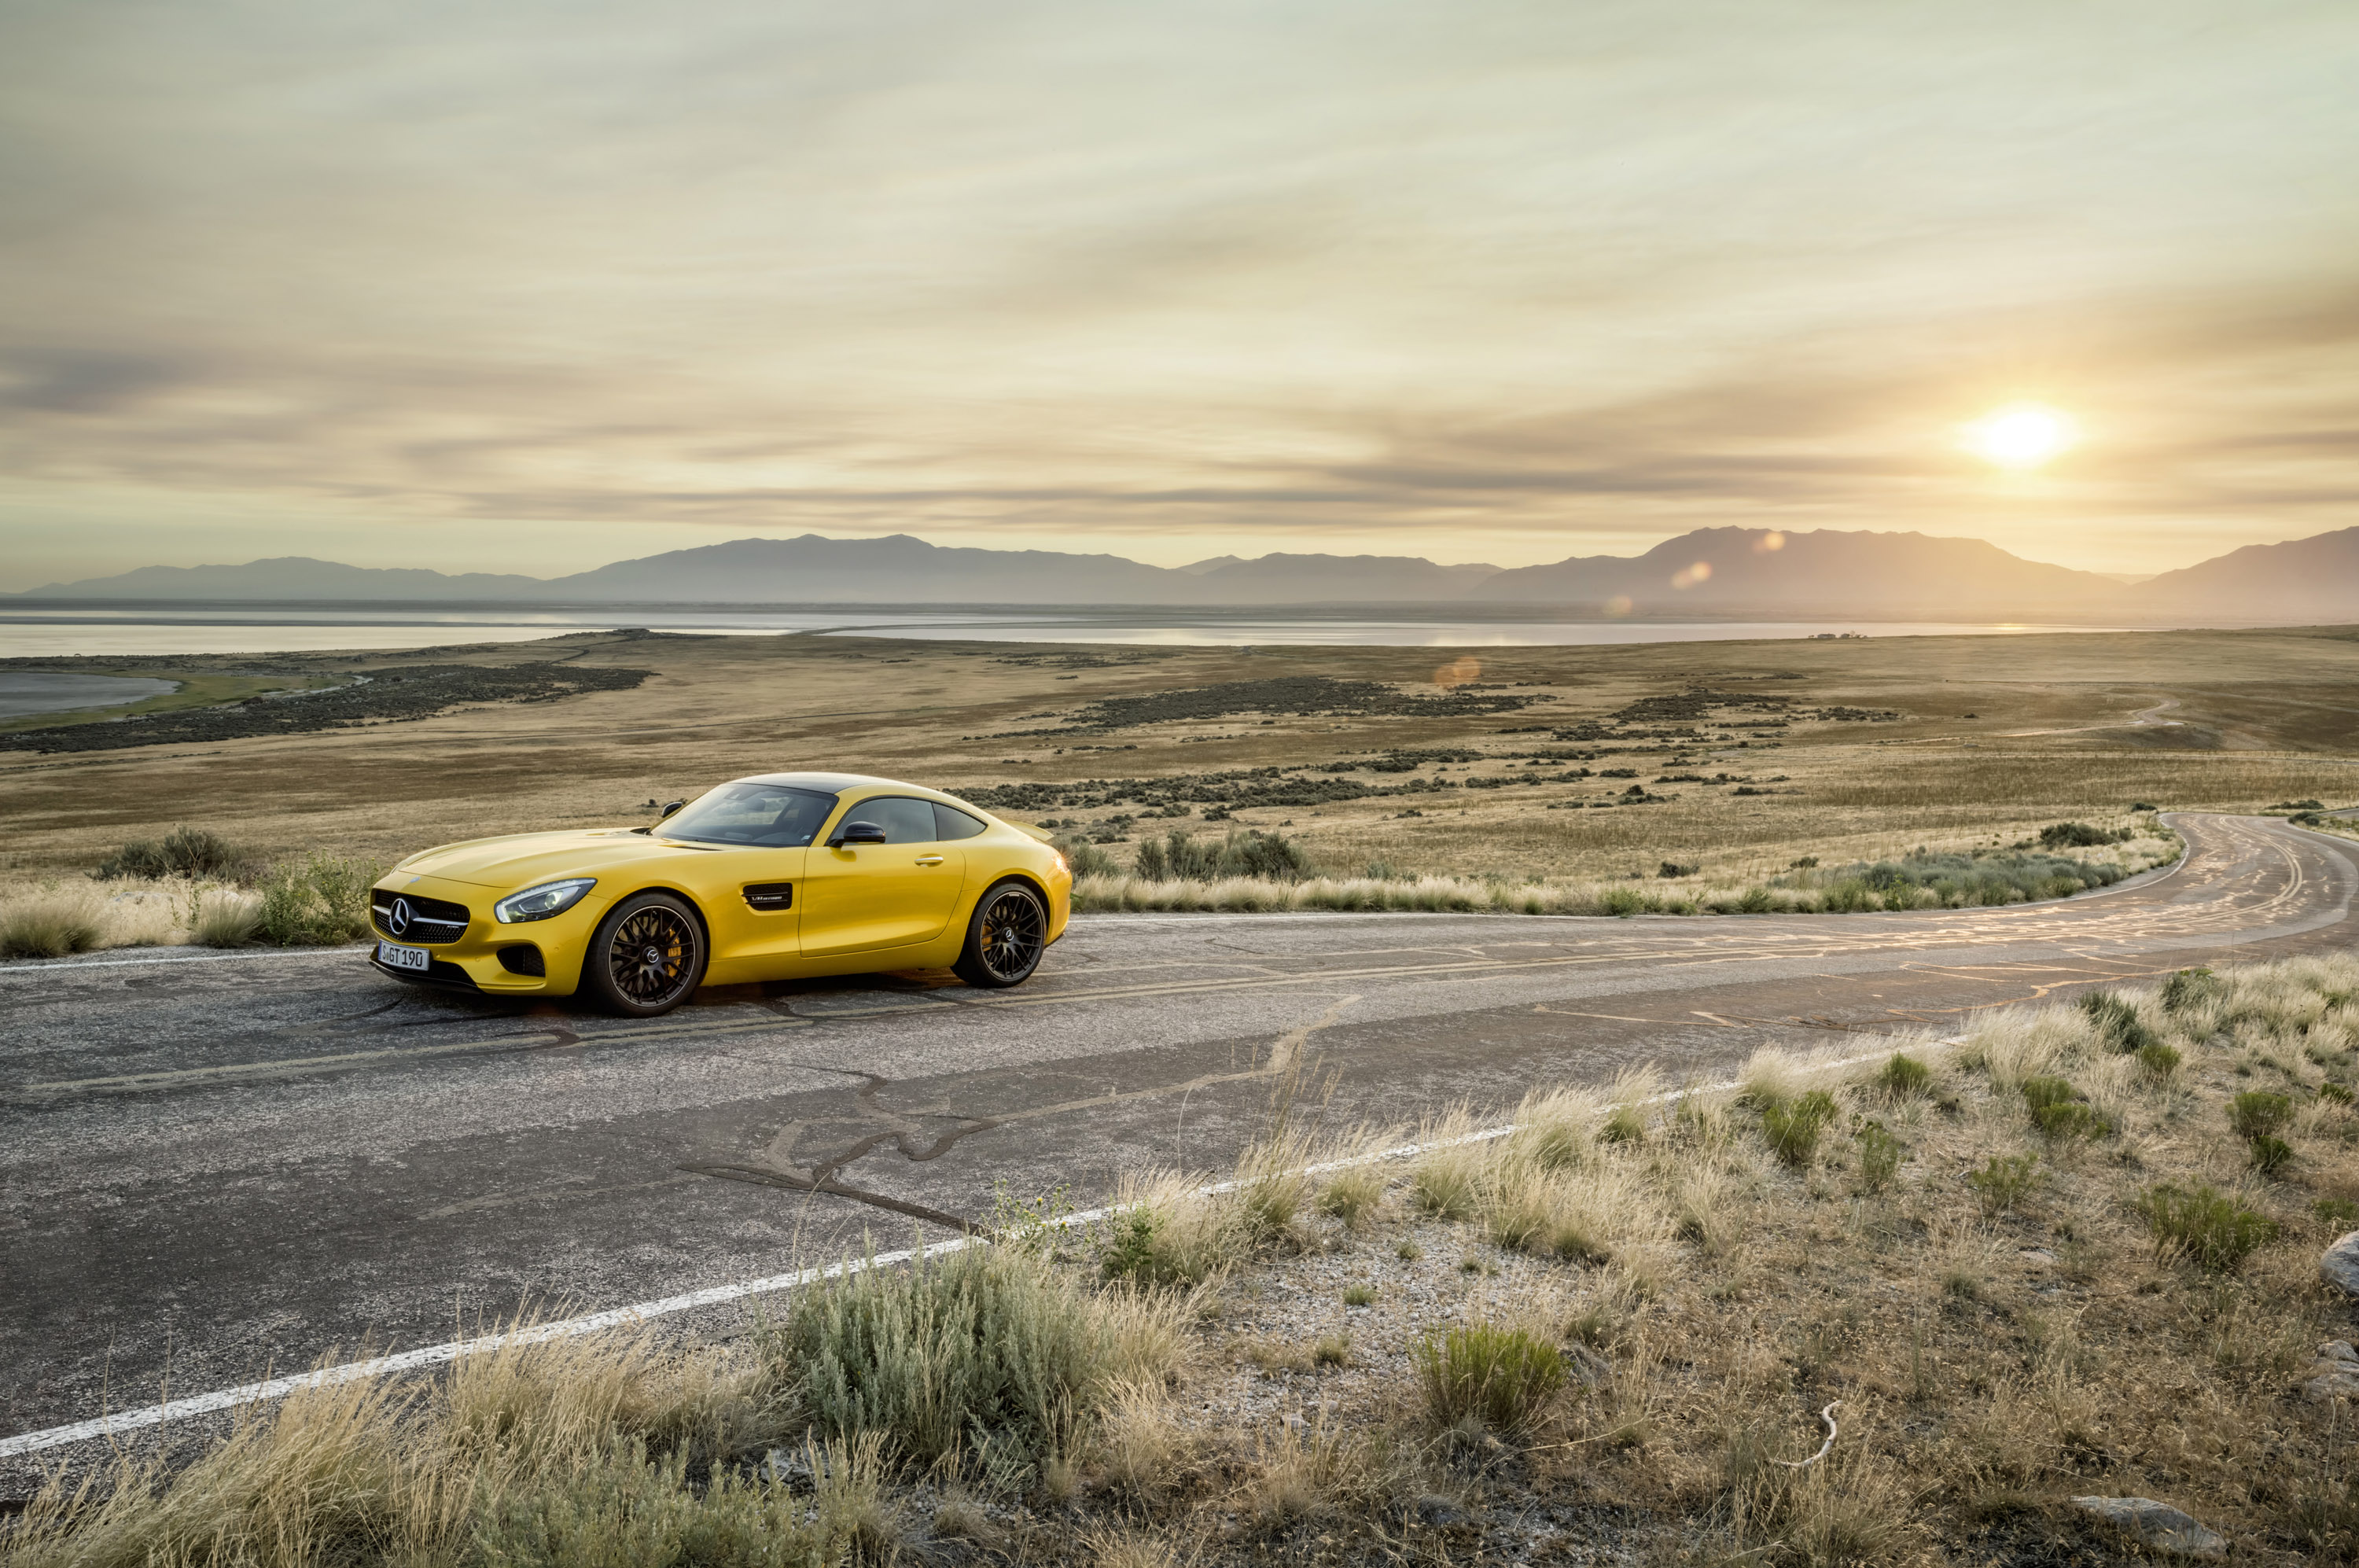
(949, 823)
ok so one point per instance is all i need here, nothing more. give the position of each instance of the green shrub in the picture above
(1083, 858)
(2076, 835)
(183, 852)
(1904, 1075)
(320, 902)
(2004, 1182)
(2338, 1215)
(1501, 1376)
(2059, 1113)
(2257, 1113)
(620, 1509)
(1754, 901)
(1248, 853)
(2045, 1094)
(2338, 1093)
(2270, 1155)
(1129, 1252)
(987, 1351)
(1989, 877)
(1879, 1155)
(2157, 1060)
(2203, 1225)
(1621, 902)
(2188, 987)
(2119, 1028)
(1359, 1295)
(1792, 1127)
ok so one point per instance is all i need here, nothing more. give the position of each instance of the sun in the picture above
(2020, 435)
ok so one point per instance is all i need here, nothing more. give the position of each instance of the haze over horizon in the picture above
(531, 289)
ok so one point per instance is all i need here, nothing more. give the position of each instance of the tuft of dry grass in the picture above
(224, 919)
(52, 923)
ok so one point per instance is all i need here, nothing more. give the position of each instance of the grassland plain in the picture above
(1616, 1333)
(1500, 764)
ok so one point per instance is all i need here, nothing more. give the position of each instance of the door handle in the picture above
(930, 860)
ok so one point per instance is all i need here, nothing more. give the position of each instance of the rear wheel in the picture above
(647, 958)
(1005, 938)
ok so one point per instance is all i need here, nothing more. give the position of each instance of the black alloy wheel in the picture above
(647, 957)
(1005, 937)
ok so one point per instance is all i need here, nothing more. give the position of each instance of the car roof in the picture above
(842, 783)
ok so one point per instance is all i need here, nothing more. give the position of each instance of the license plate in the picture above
(394, 957)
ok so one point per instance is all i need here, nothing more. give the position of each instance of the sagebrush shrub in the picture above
(184, 852)
(2006, 1181)
(1879, 1155)
(1904, 1075)
(2188, 987)
(2203, 1225)
(2117, 1023)
(2270, 1155)
(986, 1348)
(321, 901)
(1792, 1127)
(2257, 1113)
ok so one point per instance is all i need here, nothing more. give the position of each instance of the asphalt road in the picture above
(215, 1168)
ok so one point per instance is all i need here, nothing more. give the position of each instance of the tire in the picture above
(647, 958)
(1004, 937)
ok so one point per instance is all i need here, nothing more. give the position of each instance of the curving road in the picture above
(215, 1167)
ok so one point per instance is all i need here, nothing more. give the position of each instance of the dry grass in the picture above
(51, 918)
(1542, 896)
(2137, 1318)
(2049, 740)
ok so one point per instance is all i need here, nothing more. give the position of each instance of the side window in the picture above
(951, 824)
(904, 821)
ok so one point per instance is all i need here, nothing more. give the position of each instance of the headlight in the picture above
(539, 903)
(1059, 856)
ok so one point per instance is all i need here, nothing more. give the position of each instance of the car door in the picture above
(860, 898)
(757, 835)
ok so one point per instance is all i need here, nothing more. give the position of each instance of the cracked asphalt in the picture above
(214, 1167)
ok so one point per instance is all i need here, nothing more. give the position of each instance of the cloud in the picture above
(1340, 273)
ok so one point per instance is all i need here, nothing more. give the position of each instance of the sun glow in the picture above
(2020, 435)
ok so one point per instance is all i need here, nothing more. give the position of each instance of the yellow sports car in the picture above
(779, 877)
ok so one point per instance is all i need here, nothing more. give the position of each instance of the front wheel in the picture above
(647, 957)
(1005, 937)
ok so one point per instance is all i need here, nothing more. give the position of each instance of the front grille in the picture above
(430, 920)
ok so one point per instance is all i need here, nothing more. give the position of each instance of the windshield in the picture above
(773, 816)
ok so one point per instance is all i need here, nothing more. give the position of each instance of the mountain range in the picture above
(1711, 572)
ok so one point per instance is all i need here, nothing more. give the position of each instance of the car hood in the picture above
(519, 860)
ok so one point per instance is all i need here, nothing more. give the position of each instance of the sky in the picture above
(525, 287)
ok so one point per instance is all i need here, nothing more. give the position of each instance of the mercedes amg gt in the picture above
(779, 876)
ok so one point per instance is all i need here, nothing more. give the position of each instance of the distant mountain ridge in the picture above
(1831, 571)
(1714, 572)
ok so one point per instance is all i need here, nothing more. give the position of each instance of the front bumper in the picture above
(472, 961)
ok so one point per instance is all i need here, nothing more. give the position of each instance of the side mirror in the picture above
(669, 807)
(856, 832)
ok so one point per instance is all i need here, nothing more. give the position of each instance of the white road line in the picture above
(115, 1423)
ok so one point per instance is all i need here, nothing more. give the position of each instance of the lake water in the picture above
(26, 691)
(29, 632)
